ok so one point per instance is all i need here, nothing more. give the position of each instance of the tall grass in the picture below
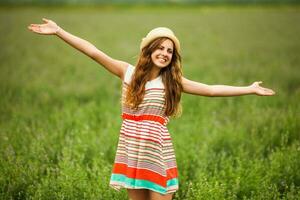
(60, 111)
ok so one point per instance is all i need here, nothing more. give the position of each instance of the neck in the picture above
(154, 73)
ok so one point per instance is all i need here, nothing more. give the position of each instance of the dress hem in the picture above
(118, 187)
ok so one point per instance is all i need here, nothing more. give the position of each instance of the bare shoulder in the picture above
(123, 68)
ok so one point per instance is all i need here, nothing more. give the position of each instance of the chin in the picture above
(161, 65)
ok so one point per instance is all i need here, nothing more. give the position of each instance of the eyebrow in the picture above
(165, 47)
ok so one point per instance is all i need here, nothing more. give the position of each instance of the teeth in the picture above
(162, 59)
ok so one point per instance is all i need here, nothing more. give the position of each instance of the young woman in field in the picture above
(145, 162)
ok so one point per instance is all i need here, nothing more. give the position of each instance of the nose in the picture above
(164, 52)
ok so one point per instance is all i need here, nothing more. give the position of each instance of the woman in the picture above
(145, 162)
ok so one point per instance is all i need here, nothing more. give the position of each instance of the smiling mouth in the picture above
(162, 59)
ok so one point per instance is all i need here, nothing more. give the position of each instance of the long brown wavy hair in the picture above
(171, 78)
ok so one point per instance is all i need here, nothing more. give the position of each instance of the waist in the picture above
(155, 118)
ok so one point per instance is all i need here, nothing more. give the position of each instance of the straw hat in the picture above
(157, 33)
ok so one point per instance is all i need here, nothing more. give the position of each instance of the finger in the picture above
(270, 92)
(29, 27)
(35, 29)
(45, 20)
(39, 32)
(259, 82)
(34, 25)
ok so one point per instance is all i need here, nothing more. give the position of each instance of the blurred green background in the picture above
(60, 111)
(143, 2)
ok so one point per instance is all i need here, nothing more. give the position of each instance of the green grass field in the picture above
(60, 111)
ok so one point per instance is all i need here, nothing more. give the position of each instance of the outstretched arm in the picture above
(49, 27)
(196, 88)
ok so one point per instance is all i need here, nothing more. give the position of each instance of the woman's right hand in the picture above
(49, 27)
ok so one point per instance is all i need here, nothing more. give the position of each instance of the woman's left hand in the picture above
(258, 90)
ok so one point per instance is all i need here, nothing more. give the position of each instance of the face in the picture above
(162, 56)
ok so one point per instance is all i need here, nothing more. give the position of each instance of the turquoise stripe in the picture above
(172, 182)
(143, 183)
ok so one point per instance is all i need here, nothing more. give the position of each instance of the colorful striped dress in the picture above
(145, 156)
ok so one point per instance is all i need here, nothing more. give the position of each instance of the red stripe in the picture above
(155, 118)
(145, 174)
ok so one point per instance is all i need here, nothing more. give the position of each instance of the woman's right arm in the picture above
(114, 66)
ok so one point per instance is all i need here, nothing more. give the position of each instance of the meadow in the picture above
(60, 111)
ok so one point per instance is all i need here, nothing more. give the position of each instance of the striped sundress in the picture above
(145, 157)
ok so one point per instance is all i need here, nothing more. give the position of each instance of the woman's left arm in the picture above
(196, 88)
